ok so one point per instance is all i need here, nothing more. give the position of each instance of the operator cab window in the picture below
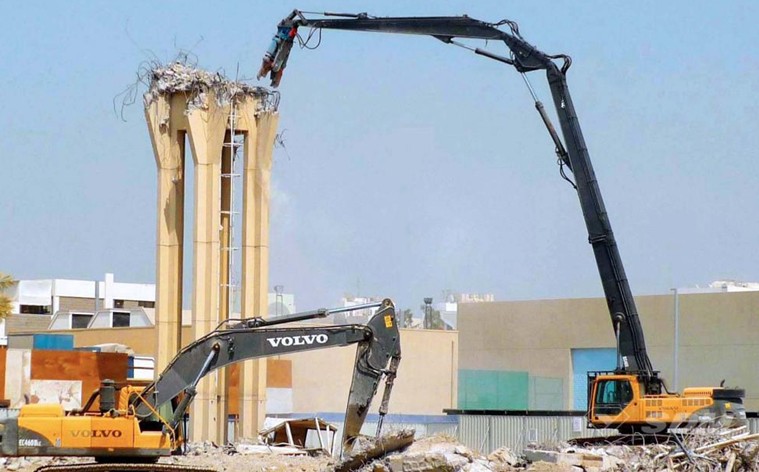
(612, 396)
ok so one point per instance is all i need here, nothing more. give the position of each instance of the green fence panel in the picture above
(546, 393)
(493, 390)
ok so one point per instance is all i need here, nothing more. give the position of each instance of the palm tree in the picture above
(6, 282)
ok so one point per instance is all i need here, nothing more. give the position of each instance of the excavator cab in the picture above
(612, 396)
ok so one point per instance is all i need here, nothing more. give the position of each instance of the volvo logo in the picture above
(304, 340)
(96, 433)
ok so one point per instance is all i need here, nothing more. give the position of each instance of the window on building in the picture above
(80, 320)
(34, 310)
(120, 319)
(118, 303)
(146, 304)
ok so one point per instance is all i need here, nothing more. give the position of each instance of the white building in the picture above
(734, 286)
(360, 316)
(449, 307)
(73, 304)
(48, 296)
(719, 286)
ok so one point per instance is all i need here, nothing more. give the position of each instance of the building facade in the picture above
(535, 354)
(48, 296)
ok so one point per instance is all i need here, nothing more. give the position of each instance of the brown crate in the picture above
(89, 367)
(279, 373)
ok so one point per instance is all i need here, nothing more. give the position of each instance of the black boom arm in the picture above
(377, 355)
(572, 152)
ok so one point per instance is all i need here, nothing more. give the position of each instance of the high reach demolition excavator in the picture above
(633, 397)
(134, 426)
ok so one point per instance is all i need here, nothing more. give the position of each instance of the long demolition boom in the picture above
(572, 152)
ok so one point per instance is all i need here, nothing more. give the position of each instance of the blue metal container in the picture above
(53, 342)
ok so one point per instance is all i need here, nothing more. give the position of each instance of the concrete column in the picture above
(257, 150)
(168, 148)
(170, 122)
(206, 128)
(225, 277)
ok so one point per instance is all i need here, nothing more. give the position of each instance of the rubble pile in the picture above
(179, 77)
(29, 464)
(443, 454)
(700, 450)
(240, 457)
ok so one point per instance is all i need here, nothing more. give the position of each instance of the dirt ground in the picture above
(439, 453)
(209, 457)
(700, 449)
(217, 460)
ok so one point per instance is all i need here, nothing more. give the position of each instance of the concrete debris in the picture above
(582, 459)
(704, 450)
(267, 449)
(250, 458)
(29, 464)
(541, 466)
(196, 84)
(443, 454)
(728, 451)
(367, 449)
(503, 455)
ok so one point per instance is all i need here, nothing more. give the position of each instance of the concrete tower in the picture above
(214, 116)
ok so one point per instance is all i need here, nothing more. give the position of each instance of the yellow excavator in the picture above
(633, 397)
(134, 426)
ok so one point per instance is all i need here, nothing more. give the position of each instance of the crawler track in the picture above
(98, 467)
(624, 440)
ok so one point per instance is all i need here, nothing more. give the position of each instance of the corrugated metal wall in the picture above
(422, 429)
(487, 433)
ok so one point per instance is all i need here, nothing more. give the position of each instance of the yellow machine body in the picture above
(619, 401)
(46, 430)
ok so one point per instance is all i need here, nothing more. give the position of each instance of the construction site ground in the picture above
(725, 450)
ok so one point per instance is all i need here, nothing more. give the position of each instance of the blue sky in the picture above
(410, 166)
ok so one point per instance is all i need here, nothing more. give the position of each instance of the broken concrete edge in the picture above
(378, 448)
(584, 460)
(198, 84)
